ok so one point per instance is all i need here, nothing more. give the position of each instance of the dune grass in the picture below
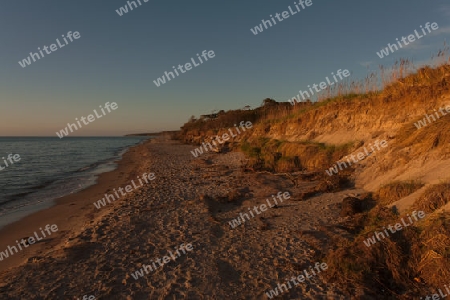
(396, 190)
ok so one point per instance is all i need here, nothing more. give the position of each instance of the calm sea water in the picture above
(50, 168)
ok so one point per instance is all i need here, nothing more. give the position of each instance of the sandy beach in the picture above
(71, 213)
(192, 200)
(306, 156)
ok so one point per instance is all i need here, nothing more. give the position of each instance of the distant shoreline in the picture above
(143, 134)
(154, 133)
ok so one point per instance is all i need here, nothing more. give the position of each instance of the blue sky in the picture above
(118, 57)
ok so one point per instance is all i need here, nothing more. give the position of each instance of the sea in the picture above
(50, 168)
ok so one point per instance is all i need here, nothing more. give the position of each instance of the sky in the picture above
(117, 58)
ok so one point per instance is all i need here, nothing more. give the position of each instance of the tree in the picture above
(268, 101)
(192, 119)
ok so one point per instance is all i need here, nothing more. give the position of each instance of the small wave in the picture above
(60, 184)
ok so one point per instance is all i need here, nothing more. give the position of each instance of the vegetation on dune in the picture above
(391, 192)
(412, 261)
(285, 156)
(434, 197)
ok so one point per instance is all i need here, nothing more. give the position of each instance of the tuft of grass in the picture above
(419, 253)
(250, 151)
(285, 156)
(394, 191)
(432, 252)
(390, 262)
(433, 198)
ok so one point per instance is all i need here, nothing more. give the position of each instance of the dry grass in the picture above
(401, 88)
(434, 136)
(433, 198)
(415, 260)
(379, 269)
(433, 261)
(396, 190)
(384, 86)
(395, 267)
(283, 156)
(386, 269)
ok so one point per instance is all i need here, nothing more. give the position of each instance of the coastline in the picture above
(71, 212)
(17, 204)
(191, 201)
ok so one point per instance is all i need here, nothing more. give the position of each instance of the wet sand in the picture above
(70, 213)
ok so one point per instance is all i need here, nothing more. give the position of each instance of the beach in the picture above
(225, 184)
(71, 213)
(191, 201)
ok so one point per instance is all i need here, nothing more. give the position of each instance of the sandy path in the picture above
(181, 206)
